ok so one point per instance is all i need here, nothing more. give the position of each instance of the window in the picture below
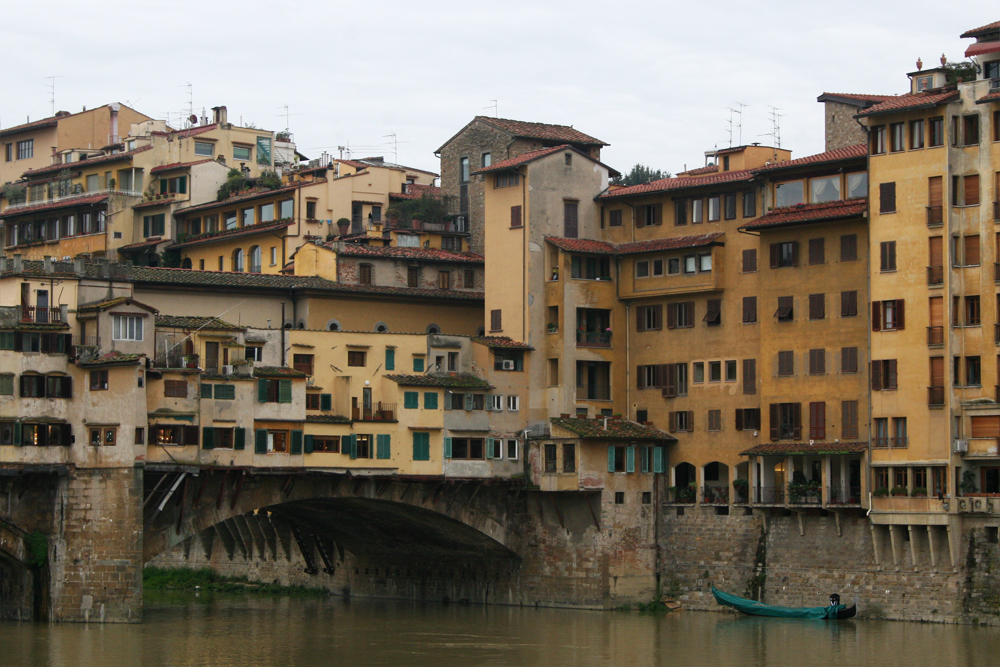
(786, 421)
(887, 253)
(418, 363)
(649, 318)
(650, 376)
(715, 420)
(444, 279)
(896, 143)
(698, 372)
(126, 327)
(98, 380)
(848, 360)
(465, 448)
(590, 268)
(463, 170)
(973, 372)
(817, 251)
(103, 436)
(365, 274)
(242, 152)
(817, 362)
(877, 138)
(697, 211)
(680, 212)
(713, 314)
(715, 371)
(713, 208)
(857, 185)
(900, 439)
(303, 363)
(966, 250)
(786, 363)
(849, 304)
(969, 191)
(25, 149)
(274, 391)
(357, 358)
(7, 384)
(505, 179)
(513, 403)
(175, 388)
(176, 185)
(8, 152)
(255, 352)
(849, 248)
(705, 262)
(788, 194)
(817, 306)
(204, 148)
(883, 374)
(916, 134)
(936, 127)
(648, 215)
(972, 312)
(569, 457)
(750, 260)
(615, 218)
(817, 421)
(824, 189)
(729, 206)
(515, 216)
(785, 311)
(888, 315)
(749, 377)
(731, 370)
(784, 254)
(749, 204)
(570, 218)
(411, 400)
(970, 130)
(748, 419)
(154, 225)
(642, 269)
(682, 420)
(673, 266)
(680, 315)
(887, 198)
(267, 212)
(849, 420)
(255, 259)
(495, 403)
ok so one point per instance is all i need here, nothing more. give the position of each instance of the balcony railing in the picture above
(935, 395)
(802, 495)
(935, 216)
(593, 339)
(935, 336)
(715, 495)
(769, 495)
(838, 495)
(76, 195)
(40, 315)
(683, 494)
(935, 275)
(86, 341)
(173, 360)
(377, 412)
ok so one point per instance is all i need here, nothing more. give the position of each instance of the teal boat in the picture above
(834, 611)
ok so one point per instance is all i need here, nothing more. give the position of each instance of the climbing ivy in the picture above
(38, 549)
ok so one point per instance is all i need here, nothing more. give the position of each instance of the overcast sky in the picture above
(654, 80)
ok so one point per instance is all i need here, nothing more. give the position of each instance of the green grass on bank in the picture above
(160, 579)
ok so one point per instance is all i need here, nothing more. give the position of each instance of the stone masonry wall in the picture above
(842, 130)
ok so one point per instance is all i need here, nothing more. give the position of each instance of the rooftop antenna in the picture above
(52, 91)
(394, 144)
(496, 112)
(190, 109)
(737, 125)
(286, 115)
(775, 132)
(345, 148)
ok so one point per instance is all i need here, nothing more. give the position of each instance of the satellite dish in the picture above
(194, 119)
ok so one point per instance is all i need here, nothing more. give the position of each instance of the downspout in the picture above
(868, 276)
(282, 333)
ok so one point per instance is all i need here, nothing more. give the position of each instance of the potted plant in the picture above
(968, 483)
(553, 327)
(741, 486)
(898, 491)
(881, 492)
(392, 213)
(606, 335)
(344, 226)
(919, 492)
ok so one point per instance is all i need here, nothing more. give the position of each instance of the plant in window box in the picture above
(881, 492)
(606, 335)
(741, 486)
(553, 327)
(968, 483)
(899, 491)
(919, 492)
(343, 226)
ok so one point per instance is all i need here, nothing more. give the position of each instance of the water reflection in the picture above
(183, 630)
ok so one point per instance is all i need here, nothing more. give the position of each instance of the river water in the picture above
(223, 630)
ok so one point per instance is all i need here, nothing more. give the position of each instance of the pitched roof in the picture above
(196, 322)
(277, 371)
(65, 202)
(501, 342)
(153, 203)
(227, 234)
(837, 155)
(911, 101)
(523, 158)
(592, 247)
(142, 245)
(53, 120)
(854, 99)
(241, 198)
(396, 252)
(802, 214)
(328, 419)
(617, 429)
(114, 359)
(991, 97)
(457, 381)
(417, 191)
(795, 448)
(178, 165)
(707, 169)
(111, 303)
(528, 130)
(100, 159)
(679, 182)
(982, 30)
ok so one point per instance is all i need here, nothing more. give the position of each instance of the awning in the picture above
(980, 48)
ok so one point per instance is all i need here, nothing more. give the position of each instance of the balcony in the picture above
(805, 493)
(837, 495)
(935, 336)
(40, 315)
(683, 495)
(715, 495)
(176, 360)
(935, 396)
(935, 275)
(376, 412)
(769, 495)
(935, 216)
(593, 338)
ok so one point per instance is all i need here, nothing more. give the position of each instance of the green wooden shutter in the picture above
(182, 185)
(489, 448)
(421, 446)
(208, 438)
(411, 400)
(430, 400)
(630, 458)
(260, 441)
(418, 364)
(326, 402)
(383, 450)
(262, 390)
(308, 443)
(239, 438)
(206, 390)
(657, 459)
(390, 359)
(611, 458)
(353, 446)
(163, 186)
(145, 226)
(296, 442)
(468, 402)
(6, 340)
(17, 434)
(447, 448)
(644, 459)
(284, 391)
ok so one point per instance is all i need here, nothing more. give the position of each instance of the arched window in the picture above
(186, 264)
(238, 260)
(255, 257)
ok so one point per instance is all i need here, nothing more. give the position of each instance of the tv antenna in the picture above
(190, 109)
(394, 144)
(736, 124)
(495, 108)
(345, 148)
(52, 91)
(287, 115)
(775, 132)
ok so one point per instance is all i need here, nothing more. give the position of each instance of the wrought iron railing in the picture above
(935, 275)
(935, 336)
(935, 216)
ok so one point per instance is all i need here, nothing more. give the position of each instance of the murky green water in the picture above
(223, 630)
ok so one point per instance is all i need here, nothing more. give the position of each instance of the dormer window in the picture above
(922, 83)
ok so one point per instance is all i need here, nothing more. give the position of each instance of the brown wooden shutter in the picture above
(817, 306)
(972, 190)
(669, 381)
(749, 261)
(657, 316)
(876, 375)
(672, 315)
(849, 360)
(658, 214)
(749, 376)
(515, 216)
(887, 197)
(640, 318)
(817, 251)
(900, 314)
(848, 248)
(986, 427)
(937, 371)
(817, 421)
(672, 422)
(690, 420)
(775, 255)
(876, 315)
(972, 254)
(849, 419)
(935, 196)
(935, 253)
(795, 253)
(640, 377)
(775, 421)
(817, 362)
(749, 309)
(936, 311)
(739, 419)
(570, 227)
(796, 421)
(495, 320)
(848, 304)
(889, 381)
(658, 375)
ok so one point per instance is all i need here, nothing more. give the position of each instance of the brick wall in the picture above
(842, 129)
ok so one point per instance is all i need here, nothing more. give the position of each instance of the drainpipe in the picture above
(868, 276)
(282, 333)
(525, 238)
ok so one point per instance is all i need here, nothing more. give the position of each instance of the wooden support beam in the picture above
(267, 530)
(286, 489)
(207, 540)
(840, 526)
(895, 542)
(914, 547)
(304, 548)
(458, 490)
(236, 491)
(250, 519)
(205, 475)
(555, 506)
(222, 489)
(180, 505)
(244, 532)
(156, 488)
(932, 547)
(225, 534)
(876, 543)
(802, 525)
(324, 554)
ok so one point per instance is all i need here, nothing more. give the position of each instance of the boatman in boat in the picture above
(834, 600)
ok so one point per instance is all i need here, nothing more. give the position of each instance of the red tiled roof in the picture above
(113, 157)
(610, 429)
(144, 245)
(416, 191)
(707, 169)
(190, 132)
(809, 213)
(862, 98)
(982, 30)
(501, 342)
(795, 448)
(277, 371)
(589, 246)
(227, 234)
(679, 182)
(849, 153)
(523, 158)
(989, 98)
(177, 165)
(114, 359)
(153, 203)
(44, 122)
(354, 163)
(395, 252)
(671, 243)
(239, 198)
(982, 48)
(62, 203)
(912, 101)
(546, 131)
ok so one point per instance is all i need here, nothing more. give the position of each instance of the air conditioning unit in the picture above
(508, 364)
(227, 370)
(960, 446)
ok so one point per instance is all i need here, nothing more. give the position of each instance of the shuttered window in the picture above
(750, 260)
(972, 255)
(887, 256)
(175, 388)
(515, 216)
(749, 309)
(715, 420)
(786, 363)
(817, 251)
(785, 313)
(495, 320)
(817, 421)
(749, 377)
(817, 306)
(848, 420)
(986, 426)
(883, 374)
(713, 314)
(570, 227)
(848, 360)
(817, 362)
(849, 304)
(422, 447)
(887, 198)
(849, 248)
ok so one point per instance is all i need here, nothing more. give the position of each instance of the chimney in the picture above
(114, 139)
(47, 264)
(219, 115)
(63, 313)
(80, 266)
(18, 264)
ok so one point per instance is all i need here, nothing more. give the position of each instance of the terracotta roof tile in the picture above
(861, 99)
(178, 165)
(922, 100)
(707, 169)
(416, 191)
(589, 246)
(328, 419)
(854, 152)
(111, 303)
(991, 97)
(49, 206)
(982, 30)
(523, 158)
(195, 322)
(617, 429)
(114, 359)
(225, 235)
(240, 198)
(546, 131)
(679, 182)
(395, 252)
(795, 448)
(153, 203)
(51, 121)
(810, 213)
(653, 245)
(143, 245)
(457, 381)
(277, 371)
(501, 342)
(101, 159)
